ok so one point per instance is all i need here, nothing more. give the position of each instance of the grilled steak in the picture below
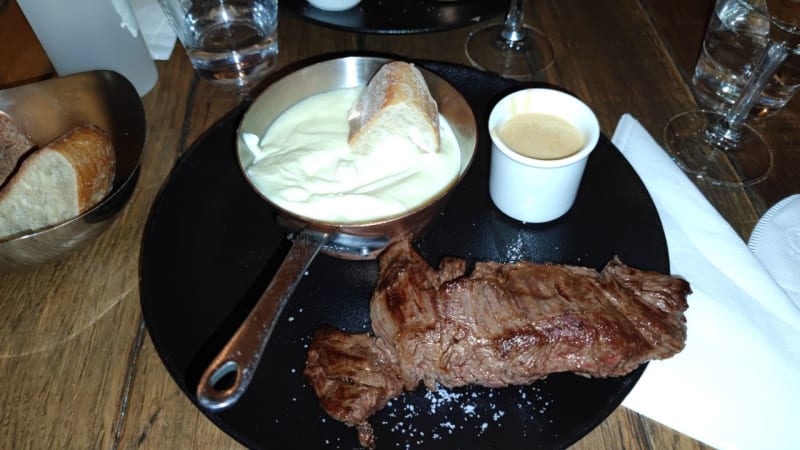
(504, 324)
(354, 376)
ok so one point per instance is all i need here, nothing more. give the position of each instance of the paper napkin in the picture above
(736, 385)
(156, 30)
(776, 243)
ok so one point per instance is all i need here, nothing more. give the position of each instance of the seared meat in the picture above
(505, 324)
(354, 375)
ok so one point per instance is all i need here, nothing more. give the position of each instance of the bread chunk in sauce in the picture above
(395, 103)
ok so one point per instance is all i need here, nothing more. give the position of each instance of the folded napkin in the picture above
(776, 243)
(736, 385)
(156, 30)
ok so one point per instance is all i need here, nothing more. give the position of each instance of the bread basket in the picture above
(46, 109)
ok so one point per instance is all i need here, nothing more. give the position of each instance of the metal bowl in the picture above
(46, 109)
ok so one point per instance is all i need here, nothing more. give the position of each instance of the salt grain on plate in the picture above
(457, 414)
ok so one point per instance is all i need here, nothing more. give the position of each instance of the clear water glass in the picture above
(738, 33)
(229, 41)
(718, 146)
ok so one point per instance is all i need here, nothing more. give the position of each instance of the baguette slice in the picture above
(396, 102)
(14, 142)
(58, 182)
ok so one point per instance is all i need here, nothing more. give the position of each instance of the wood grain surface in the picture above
(78, 368)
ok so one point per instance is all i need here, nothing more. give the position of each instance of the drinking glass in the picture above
(511, 49)
(737, 35)
(233, 42)
(719, 147)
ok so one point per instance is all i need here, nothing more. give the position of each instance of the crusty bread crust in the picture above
(58, 182)
(14, 143)
(396, 102)
(91, 153)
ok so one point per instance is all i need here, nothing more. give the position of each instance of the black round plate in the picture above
(211, 245)
(399, 16)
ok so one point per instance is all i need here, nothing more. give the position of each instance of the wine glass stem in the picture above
(513, 29)
(727, 134)
(771, 60)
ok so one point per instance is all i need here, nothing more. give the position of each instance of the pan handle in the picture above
(227, 377)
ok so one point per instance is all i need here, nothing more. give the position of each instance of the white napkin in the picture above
(776, 243)
(736, 385)
(156, 30)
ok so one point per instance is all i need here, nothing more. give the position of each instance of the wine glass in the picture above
(511, 49)
(720, 147)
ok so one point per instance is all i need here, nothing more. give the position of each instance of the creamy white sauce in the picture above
(304, 165)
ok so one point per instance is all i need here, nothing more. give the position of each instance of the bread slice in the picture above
(58, 182)
(14, 142)
(396, 102)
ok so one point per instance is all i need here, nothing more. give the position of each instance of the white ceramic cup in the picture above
(538, 190)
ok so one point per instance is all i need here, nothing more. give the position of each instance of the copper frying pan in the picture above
(228, 375)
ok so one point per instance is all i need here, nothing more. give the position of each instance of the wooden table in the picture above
(78, 367)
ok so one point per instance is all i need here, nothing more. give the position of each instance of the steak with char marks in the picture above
(504, 324)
